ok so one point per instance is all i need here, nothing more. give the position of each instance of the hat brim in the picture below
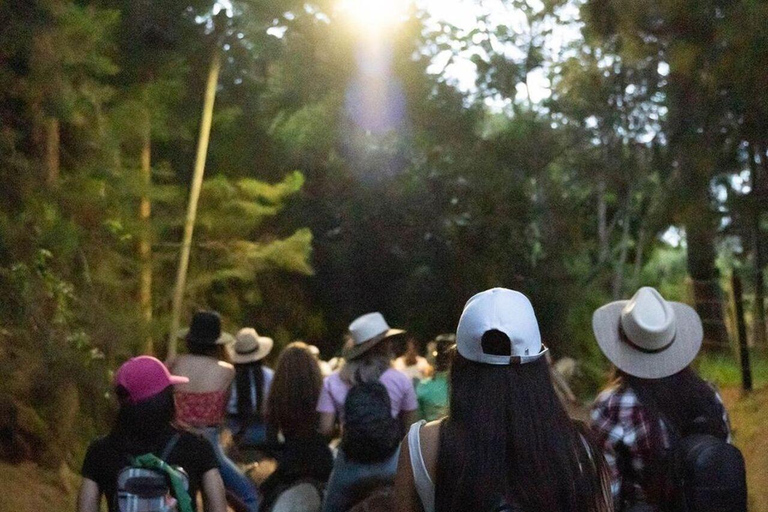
(681, 353)
(224, 339)
(265, 347)
(365, 346)
(178, 379)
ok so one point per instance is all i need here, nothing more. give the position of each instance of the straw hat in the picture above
(367, 331)
(249, 347)
(648, 336)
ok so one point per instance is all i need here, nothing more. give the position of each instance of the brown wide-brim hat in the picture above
(606, 324)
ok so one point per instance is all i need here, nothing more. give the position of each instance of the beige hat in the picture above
(367, 331)
(647, 336)
(249, 347)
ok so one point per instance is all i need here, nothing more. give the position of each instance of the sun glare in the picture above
(374, 15)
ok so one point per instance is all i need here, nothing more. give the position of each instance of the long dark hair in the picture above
(246, 412)
(296, 386)
(140, 425)
(509, 439)
(683, 400)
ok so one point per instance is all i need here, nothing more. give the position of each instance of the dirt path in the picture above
(749, 421)
(29, 488)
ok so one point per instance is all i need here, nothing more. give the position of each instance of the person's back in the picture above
(432, 393)
(368, 360)
(144, 426)
(303, 455)
(367, 458)
(250, 392)
(508, 441)
(202, 401)
(656, 401)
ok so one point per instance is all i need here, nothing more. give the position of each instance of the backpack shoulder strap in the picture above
(170, 446)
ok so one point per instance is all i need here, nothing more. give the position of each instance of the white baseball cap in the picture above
(503, 310)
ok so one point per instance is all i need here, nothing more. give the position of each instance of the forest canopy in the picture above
(353, 166)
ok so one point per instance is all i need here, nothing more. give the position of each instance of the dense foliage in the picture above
(347, 173)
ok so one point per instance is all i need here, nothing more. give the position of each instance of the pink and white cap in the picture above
(502, 310)
(144, 377)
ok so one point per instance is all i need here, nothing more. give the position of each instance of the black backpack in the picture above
(706, 473)
(370, 433)
(710, 475)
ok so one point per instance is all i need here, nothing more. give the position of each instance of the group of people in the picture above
(477, 426)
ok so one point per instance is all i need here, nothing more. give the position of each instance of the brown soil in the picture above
(28, 488)
(749, 421)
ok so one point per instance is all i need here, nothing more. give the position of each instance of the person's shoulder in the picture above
(333, 382)
(614, 394)
(332, 378)
(191, 440)
(100, 445)
(395, 375)
(226, 367)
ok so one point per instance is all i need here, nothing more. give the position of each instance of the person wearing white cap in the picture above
(651, 342)
(250, 389)
(507, 443)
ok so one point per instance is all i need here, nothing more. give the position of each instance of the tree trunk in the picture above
(618, 272)
(707, 292)
(758, 188)
(197, 183)
(52, 151)
(602, 222)
(759, 304)
(639, 248)
(145, 238)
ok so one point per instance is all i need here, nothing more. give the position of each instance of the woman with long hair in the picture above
(508, 443)
(201, 403)
(654, 393)
(292, 418)
(369, 359)
(145, 424)
(248, 399)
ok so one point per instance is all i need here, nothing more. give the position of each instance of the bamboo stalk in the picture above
(197, 183)
(145, 240)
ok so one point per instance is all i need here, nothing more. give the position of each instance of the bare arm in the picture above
(326, 423)
(406, 496)
(88, 498)
(214, 495)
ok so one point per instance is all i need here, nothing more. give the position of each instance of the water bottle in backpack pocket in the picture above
(149, 484)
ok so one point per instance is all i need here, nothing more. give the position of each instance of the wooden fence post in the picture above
(746, 370)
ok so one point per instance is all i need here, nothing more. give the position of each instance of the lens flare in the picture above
(374, 15)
